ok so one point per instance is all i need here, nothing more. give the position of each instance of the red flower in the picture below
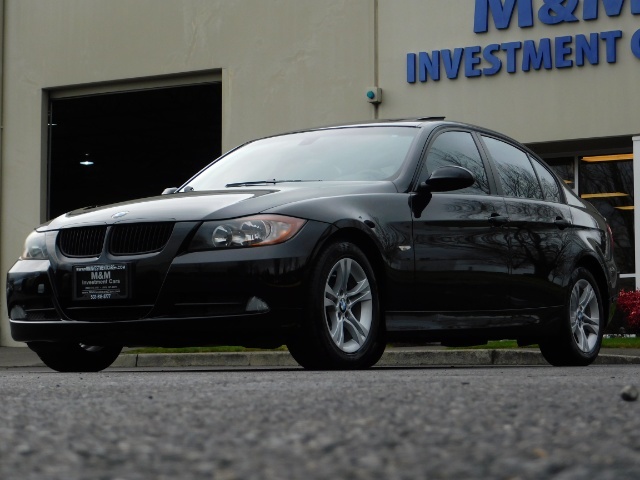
(629, 303)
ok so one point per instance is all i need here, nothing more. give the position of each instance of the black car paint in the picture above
(433, 286)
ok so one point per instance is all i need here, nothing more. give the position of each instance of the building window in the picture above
(113, 147)
(606, 181)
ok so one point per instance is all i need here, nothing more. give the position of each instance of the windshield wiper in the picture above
(264, 182)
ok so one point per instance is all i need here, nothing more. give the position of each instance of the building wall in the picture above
(289, 64)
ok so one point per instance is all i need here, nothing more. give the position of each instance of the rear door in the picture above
(538, 226)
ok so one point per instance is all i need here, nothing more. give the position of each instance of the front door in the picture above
(461, 238)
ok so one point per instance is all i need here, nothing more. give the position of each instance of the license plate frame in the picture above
(101, 282)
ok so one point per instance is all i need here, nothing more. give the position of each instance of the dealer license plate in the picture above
(101, 282)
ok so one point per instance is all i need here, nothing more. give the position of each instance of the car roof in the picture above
(417, 122)
(407, 122)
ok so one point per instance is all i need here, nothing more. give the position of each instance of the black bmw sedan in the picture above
(334, 242)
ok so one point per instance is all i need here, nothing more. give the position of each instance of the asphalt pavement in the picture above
(432, 355)
(525, 423)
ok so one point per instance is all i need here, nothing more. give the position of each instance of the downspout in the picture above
(376, 73)
(3, 308)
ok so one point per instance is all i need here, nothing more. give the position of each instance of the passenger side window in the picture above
(550, 187)
(459, 149)
(517, 176)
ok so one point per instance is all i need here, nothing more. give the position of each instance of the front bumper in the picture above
(252, 330)
(247, 296)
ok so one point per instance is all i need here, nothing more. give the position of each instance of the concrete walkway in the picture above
(12, 357)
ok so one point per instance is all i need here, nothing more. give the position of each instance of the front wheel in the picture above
(75, 357)
(342, 324)
(579, 338)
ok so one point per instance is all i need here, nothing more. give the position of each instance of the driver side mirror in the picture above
(447, 179)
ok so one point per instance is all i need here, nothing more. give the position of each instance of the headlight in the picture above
(252, 231)
(35, 247)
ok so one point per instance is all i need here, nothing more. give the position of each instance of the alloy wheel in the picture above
(348, 305)
(584, 316)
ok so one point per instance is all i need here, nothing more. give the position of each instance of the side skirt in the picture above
(483, 325)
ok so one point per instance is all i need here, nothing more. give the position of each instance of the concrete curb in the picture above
(391, 358)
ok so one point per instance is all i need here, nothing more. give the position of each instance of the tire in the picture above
(75, 357)
(342, 327)
(579, 338)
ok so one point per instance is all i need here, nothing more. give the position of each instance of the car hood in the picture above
(211, 205)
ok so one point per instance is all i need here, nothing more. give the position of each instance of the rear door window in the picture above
(517, 177)
(548, 182)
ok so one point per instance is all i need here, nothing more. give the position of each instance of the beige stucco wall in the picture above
(286, 64)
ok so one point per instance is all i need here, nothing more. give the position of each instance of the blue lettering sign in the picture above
(613, 8)
(471, 60)
(558, 11)
(428, 66)
(511, 48)
(411, 67)
(537, 57)
(587, 49)
(502, 14)
(548, 53)
(552, 12)
(452, 62)
(559, 52)
(635, 44)
(495, 62)
(611, 39)
(563, 50)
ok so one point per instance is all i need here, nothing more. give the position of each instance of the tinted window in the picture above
(516, 173)
(459, 149)
(548, 182)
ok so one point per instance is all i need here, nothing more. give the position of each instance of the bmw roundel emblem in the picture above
(119, 214)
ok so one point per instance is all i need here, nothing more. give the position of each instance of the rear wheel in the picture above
(75, 357)
(578, 341)
(342, 324)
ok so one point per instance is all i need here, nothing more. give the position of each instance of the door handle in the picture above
(561, 222)
(497, 220)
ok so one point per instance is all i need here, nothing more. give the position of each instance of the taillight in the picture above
(610, 237)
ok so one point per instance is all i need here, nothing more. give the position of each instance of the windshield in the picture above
(345, 154)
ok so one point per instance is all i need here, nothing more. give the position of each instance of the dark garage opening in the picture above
(114, 147)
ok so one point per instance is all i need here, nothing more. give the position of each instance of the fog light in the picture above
(18, 313)
(256, 304)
